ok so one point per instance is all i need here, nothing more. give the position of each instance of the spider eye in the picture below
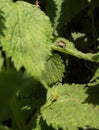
(61, 44)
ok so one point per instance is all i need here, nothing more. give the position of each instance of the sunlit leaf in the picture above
(66, 107)
(27, 35)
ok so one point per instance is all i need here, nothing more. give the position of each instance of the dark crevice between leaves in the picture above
(7, 123)
(93, 95)
(34, 96)
(67, 14)
(2, 28)
(88, 129)
(50, 10)
(29, 1)
(43, 125)
(80, 71)
(2, 23)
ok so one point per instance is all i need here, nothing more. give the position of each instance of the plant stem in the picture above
(20, 121)
(93, 24)
(33, 120)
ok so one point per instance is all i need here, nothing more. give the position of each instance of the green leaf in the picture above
(70, 9)
(41, 125)
(70, 49)
(81, 40)
(4, 128)
(32, 96)
(95, 79)
(10, 82)
(93, 95)
(27, 35)
(14, 80)
(54, 70)
(77, 35)
(66, 107)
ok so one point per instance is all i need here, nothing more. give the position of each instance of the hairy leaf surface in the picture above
(66, 107)
(27, 35)
(54, 70)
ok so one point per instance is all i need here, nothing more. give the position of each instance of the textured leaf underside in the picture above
(67, 107)
(27, 35)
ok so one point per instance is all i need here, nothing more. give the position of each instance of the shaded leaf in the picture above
(4, 128)
(95, 79)
(54, 11)
(2, 23)
(41, 124)
(32, 97)
(1, 61)
(54, 70)
(69, 10)
(93, 95)
(10, 82)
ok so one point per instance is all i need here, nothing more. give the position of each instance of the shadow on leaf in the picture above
(51, 10)
(2, 20)
(42, 125)
(93, 95)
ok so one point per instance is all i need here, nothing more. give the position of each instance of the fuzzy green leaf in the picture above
(27, 35)
(66, 107)
(69, 48)
(54, 70)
